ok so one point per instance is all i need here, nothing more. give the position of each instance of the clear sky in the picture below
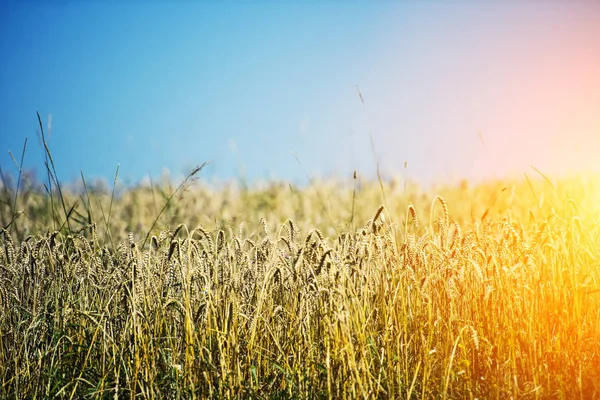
(455, 89)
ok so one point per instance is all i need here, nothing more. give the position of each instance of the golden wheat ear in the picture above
(412, 213)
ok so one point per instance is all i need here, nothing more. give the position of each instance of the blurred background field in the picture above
(330, 205)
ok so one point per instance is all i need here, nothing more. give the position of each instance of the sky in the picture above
(289, 90)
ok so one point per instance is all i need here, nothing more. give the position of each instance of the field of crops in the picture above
(334, 290)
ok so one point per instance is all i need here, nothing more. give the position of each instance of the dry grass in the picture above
(275, 293)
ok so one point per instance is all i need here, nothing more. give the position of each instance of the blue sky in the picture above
(169, 85)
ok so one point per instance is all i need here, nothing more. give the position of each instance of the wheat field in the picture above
(333, 290)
